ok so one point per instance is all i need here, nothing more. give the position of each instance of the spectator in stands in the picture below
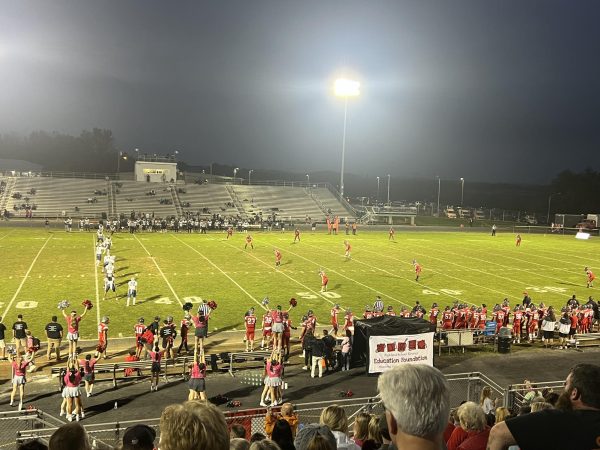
(193, 426)
(540, 406)
(33, 445)
(502, 414)
(265, 444)
(306, 435)
(282, 435)
(287, 413)
(416, 398)
(237, 431)
(257, 437)
(374, 431)
(70, 436)
(473, 430)
(334, 417)
(577, 418)
(139, 437)
(532, 392)
(386, 441)
(361, 428)
(239, 444)
(552, 398)
(486, 401)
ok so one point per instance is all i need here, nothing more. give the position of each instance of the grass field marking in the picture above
(223, 272)
(442, 274)
(160, 271)
(317, 293)
(12, 300)
(356, 281)
(490, 263)
(96, 279)
(6, 234)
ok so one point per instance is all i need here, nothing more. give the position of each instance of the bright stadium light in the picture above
(235, 171)
(250, 175)
(462, 190)
(345, 88)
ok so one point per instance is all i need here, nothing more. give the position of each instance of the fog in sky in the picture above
(486, 90)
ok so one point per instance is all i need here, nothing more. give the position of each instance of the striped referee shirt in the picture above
(204, 308)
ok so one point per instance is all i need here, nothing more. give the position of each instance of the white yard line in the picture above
(96, 278)
(25, 277)
(362, 284)
(160, 271)
(223, 272)
(5, 235)
(317, 293)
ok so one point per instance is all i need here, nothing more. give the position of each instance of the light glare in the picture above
(346, 88)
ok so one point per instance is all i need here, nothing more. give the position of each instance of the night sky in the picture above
(485, 90)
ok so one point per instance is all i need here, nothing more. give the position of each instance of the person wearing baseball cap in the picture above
(139, 437)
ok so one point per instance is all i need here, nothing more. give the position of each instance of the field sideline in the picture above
(40, 268)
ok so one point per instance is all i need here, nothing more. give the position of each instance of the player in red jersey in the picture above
(250, 322)
(433, 313)
(390, 311)
(418, 269)
(334, 319)
(391, 234)
(139, 329)
(518, 241)
(368, 314)
(296, 235)
(506, 309)
(447, 318)
(229, 232)
(404, 312)
(349, 321)
(590, 277)
(534, 318)
(267, 327)
(499, 315)
(277, 258)
(102, 338)
(324, 280)
(517, 322)
(249, 242)
(460, 317)
(347, 248)
(184, 328)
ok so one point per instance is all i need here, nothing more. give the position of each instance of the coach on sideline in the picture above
(417, 404)
(54, 333)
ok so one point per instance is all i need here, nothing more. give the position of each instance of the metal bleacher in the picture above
(214, 197)
(133, 196)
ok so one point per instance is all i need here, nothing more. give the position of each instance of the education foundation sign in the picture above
(386, 352)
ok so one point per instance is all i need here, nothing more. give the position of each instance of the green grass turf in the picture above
(469, 267)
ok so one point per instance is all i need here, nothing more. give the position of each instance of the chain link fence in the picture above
(16, 424)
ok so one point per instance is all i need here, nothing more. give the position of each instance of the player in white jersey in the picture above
(98, 254)
(131, 290)
(110, 270)
(109, 284)
(108, 242)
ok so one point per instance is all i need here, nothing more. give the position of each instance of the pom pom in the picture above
(265, 301)
(293, 302)
(212, 304)
(188, 306)
(64, 304)
(87, 304)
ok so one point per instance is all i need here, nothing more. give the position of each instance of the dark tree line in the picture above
(92, 151)
(576, 193)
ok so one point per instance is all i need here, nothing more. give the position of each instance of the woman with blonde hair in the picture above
(485, 401)
(502, 414)
(374, 433)
(361, 428)
(334, 417)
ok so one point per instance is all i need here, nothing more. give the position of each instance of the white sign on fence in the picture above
(386, 352)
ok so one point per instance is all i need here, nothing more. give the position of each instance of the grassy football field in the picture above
(39, 268)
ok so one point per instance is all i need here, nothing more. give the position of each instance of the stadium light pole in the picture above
(389, 177)
(439, 189)
(462, 190)
(377, 200)
(235, 171)
(308, 179)
(249, 175)
(549, 203)
(345, 88)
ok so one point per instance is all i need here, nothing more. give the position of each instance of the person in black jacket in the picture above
(318, 353)
(329, 344)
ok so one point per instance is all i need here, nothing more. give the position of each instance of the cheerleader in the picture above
(155, 357)
(201, 324)
(273, 380)
(89, 375)
(71, 392)
(197, 384)
(19, 367)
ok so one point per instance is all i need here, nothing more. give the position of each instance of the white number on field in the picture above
(544, 289)
(164, 301)
(306, 295)
(192, 299)
(330, 294)
(28, 304)
(451, 292)
(428, 292)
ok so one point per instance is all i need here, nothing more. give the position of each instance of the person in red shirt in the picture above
(368, 314)
(249, 242)
(229, 232)
(72, 380)
(518, 242)
(277, 258)
(506, 309)
(102, 338)
(517, 322)
(19, 367)
(500, 315)
(390, 311)
(139, 329)
(73, 329)
(590, 277)
(324, 281)
(184, 328)
(418, 269)
(89, 375)
(433, 313)
(267, 330)
(447, 318)
(296, 235)
(349, 321)
(391, 234)
(334, 319)
(250, 323)
(534, 319)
